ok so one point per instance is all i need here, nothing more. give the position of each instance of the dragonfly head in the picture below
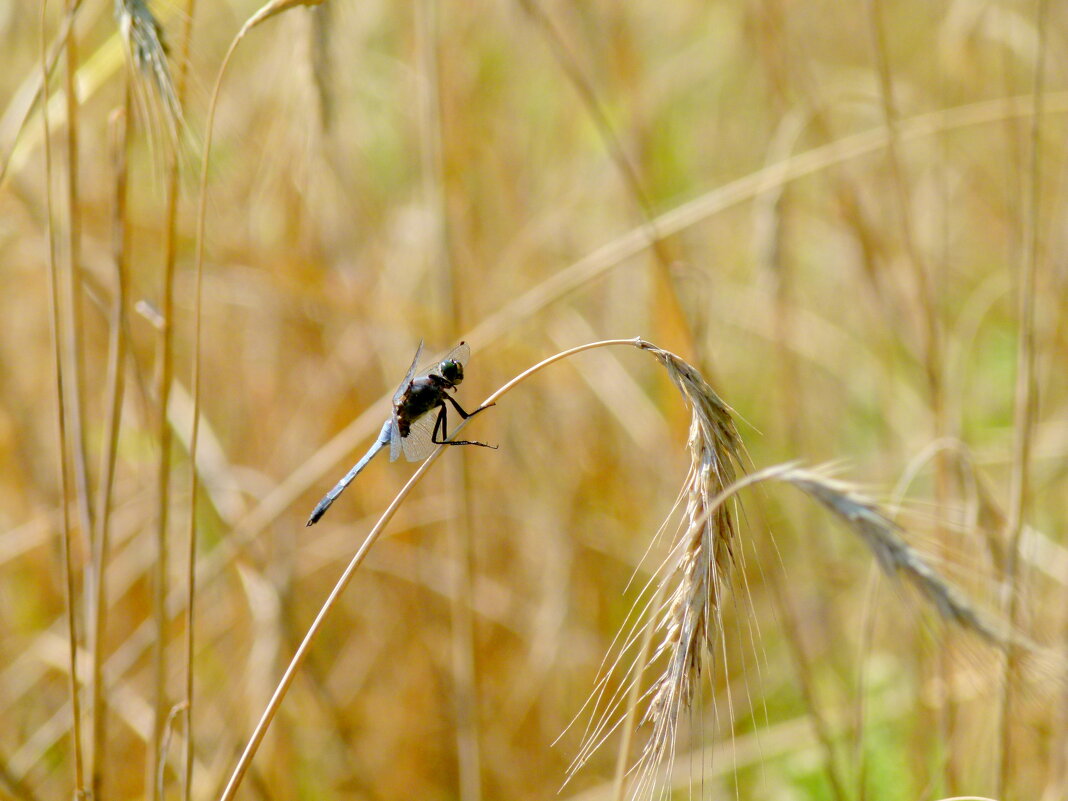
(452, 371)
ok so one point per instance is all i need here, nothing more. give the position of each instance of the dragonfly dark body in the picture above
(412, 428)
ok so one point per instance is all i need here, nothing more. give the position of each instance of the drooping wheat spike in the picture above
(146, 47)
(895, 556)
(704, 552)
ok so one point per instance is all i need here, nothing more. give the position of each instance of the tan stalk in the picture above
(1025, 400)
(170, 244)
(161, 564)
(75, 321)
(121, 125)
(68, 567)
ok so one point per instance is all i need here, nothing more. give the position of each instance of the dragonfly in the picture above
(413, 428)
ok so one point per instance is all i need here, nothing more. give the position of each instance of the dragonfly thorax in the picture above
(422, 396)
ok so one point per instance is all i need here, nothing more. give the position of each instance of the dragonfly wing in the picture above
(395, 440)
(411, 373)
(394, 432)
(420, 440)
(461, 353)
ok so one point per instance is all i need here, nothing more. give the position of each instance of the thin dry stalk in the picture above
(274, 8)
(73, 310)
(170, 248)
(143, 40)
(1025, 397)
(302, 650)
(145, 49)
(120, 130)
(68, 567)
(75, 320)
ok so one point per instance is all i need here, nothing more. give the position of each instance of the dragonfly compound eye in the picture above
(452, 371)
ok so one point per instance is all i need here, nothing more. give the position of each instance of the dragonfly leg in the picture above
(460, 409)
(442, 425)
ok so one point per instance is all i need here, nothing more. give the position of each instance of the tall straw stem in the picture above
(1025, 397)
(121, 127)
(68, 568)
(75, 318)
(173, 187)
(165, 436)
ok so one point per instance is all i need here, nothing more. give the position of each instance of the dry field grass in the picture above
(812, 549)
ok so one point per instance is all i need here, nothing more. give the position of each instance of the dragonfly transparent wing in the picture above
(395, 440)
(420, 440)
(394, 436)
(411, 373)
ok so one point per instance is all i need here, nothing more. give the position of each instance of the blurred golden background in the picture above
(849, 216)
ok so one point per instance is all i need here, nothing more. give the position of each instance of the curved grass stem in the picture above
(346, 576)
